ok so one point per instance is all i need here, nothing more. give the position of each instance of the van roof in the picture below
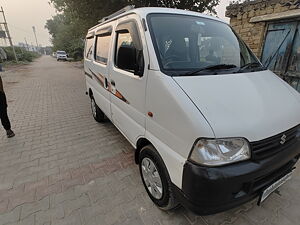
(144, 11)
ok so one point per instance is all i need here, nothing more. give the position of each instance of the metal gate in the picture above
(281, 52)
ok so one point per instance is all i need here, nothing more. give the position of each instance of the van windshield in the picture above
(187, 45)
(61, 52)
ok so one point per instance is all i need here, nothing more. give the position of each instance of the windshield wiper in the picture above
(250, 65)
(213, 67)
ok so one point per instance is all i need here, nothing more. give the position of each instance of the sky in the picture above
(21, 15)
(221, 9)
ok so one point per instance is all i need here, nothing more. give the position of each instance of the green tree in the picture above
(194, 5)
(75, 17)
(67, 34)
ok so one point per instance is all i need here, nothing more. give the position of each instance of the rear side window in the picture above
(89, 47)
(102, 47)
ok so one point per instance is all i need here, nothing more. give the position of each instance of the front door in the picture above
(281, 52)
(128, 79)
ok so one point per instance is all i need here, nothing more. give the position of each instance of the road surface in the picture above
(64, 168)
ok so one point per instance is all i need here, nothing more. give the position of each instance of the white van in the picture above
(212, 128)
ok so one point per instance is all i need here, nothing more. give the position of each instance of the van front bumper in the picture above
(209, 190)
(62, 57)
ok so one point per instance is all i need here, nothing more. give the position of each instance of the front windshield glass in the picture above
(189, 43)
(61, 52)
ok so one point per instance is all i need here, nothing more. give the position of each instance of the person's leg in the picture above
(4, 117)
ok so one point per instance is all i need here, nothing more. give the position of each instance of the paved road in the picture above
(64, 168)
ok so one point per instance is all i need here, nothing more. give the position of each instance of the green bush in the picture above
(28, 56)
(22, 54)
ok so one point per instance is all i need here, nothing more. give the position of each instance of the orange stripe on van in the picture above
(101, 80)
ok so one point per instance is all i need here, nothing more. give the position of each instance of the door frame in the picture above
(124, 104)
(284, 71)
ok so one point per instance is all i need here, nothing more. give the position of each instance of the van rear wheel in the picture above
(98, 115)
(156, 178)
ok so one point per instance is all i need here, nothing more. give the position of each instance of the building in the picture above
(31, 48)
(271, 28)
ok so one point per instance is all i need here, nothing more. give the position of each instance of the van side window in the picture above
(125, 51)
(102, 47)
(89, 47)
(129, 49)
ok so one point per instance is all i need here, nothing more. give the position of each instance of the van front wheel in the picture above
(96, 111)
(156, 178)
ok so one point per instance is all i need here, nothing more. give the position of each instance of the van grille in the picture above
(272, 145)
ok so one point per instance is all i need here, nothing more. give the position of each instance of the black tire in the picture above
(97, 113)
(168, 200)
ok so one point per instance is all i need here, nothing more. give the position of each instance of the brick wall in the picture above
(253, 33)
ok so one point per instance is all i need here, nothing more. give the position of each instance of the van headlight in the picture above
(217, 152)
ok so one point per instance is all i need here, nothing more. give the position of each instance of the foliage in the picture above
(66, 35)
(69, 27)
(194, 5)
(239, 1)
(22, 54)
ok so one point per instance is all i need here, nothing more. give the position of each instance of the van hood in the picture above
(253, 105)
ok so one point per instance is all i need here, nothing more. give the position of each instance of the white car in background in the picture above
(61, 55)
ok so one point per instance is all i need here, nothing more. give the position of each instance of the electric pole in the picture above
(34, 31)
(27, 45)
(8, 34)
(3, 35)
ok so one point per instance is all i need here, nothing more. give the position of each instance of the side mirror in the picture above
(139, 70)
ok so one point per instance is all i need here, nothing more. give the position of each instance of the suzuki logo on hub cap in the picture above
(283, 139)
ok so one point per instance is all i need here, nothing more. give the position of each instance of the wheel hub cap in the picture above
(152, 178)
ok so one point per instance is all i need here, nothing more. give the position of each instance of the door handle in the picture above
(113, 83)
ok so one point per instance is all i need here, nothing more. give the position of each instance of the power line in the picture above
(26, 31)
